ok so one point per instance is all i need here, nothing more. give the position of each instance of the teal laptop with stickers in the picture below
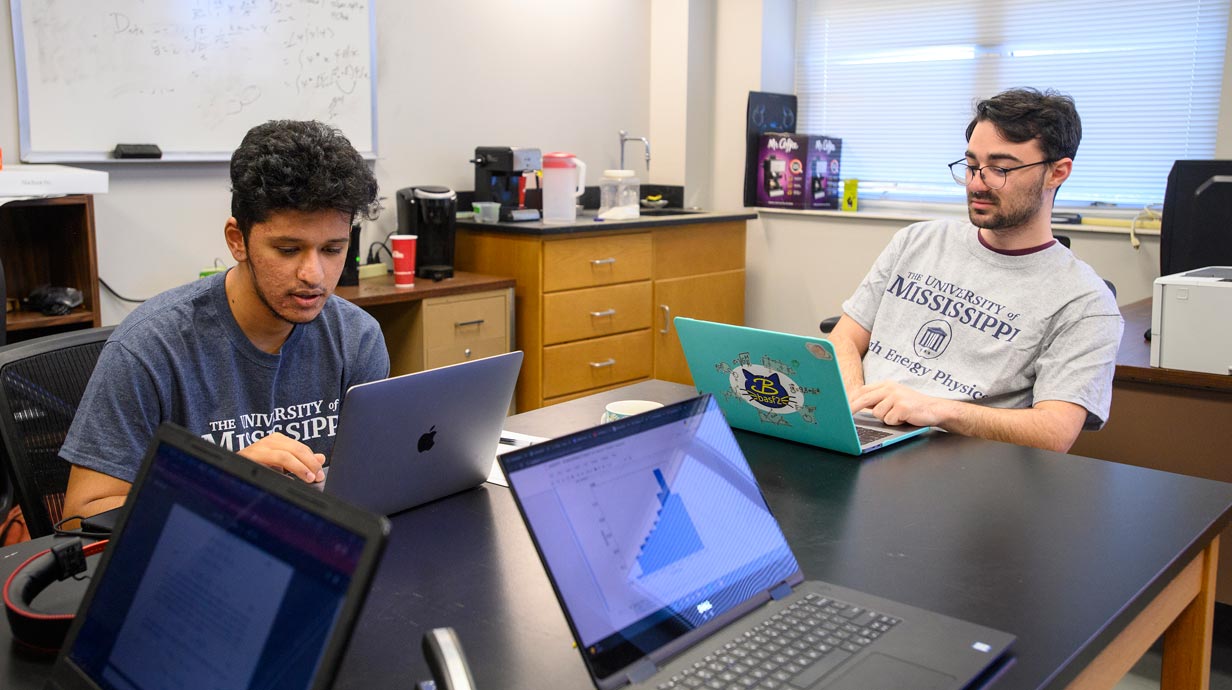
(781, 384)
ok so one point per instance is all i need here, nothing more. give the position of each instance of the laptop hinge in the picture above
(641, 671)
(782, 590)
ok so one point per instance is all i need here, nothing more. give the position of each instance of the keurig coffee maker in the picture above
(498, 177)
(430, 214)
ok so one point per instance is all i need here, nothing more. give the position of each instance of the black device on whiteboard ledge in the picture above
(137, 151)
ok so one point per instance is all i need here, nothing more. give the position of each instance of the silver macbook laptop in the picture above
(673, 573)
(407, 440)
(783, 385)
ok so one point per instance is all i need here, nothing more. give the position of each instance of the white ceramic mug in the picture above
(625, 408)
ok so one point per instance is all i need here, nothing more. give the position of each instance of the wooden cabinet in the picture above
(711, 296)
(49, 242)
(699, 273)
(593, 309)
(435, 324)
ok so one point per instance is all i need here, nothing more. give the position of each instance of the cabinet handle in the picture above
(601, 262)
(605, 312)
(460, 324)
(467, 353)
(605, 363)
(667, 318)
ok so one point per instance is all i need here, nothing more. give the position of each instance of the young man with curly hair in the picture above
(989, 328)
(256, 359)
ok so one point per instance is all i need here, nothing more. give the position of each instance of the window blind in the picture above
(896, 81)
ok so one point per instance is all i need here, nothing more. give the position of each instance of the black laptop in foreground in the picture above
(673, 573)
(223, 574)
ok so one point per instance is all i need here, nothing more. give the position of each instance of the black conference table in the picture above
(1087, 562)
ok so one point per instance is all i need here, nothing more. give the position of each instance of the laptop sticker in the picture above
(769, 388)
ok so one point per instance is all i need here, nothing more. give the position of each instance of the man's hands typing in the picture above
(281, 452)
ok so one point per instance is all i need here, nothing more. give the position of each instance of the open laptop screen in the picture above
(215, 582)
(650, 527)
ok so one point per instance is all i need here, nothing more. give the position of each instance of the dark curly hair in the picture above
(1025, 114)
(302, 166)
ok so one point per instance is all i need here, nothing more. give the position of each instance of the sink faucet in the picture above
(624, 137)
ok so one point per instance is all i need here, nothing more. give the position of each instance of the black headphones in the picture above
(37, 629)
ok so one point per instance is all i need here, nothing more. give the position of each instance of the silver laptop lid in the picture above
(408, 440)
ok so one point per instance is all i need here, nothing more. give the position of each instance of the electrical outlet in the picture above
(372, 270)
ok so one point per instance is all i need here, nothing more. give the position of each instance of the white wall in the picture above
(554, 74)
(669, 85)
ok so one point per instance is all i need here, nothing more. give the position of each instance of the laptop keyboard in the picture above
(868, 435)
(792, 649)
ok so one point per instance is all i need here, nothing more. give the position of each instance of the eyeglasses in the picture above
(992, 175)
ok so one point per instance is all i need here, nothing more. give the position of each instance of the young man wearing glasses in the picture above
(989, 328)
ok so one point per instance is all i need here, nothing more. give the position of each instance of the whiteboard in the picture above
(192, 76)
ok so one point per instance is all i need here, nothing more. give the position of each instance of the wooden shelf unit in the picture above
(49, 241)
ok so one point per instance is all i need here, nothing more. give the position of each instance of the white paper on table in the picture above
(495, 476)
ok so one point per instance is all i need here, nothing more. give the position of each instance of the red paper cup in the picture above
(403, 249)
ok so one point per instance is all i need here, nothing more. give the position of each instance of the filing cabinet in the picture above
(439, 331)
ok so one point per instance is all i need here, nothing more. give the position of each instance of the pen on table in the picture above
(506, 441)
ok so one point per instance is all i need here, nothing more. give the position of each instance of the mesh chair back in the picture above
(4, 315)
(41, 384)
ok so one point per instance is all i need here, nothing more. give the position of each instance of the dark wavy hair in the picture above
(291, 165)
(1025, 114)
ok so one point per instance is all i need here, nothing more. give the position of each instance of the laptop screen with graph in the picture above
(651, 526)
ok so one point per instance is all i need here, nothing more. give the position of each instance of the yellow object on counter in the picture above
(851, 195)
(1121, 223)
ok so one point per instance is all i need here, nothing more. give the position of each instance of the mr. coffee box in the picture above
(798, 171)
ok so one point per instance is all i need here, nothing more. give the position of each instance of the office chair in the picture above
(1064, 240)
(4, 316)
(828, 324)
(41, 384)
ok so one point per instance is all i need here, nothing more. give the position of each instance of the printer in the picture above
(1191, 321)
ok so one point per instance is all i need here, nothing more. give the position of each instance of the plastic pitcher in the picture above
(564, 180)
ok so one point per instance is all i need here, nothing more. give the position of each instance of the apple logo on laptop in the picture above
(427, 440)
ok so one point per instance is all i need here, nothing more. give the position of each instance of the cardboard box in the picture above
(49, 180)
(798, 171)
(824, 156)
(780, 170)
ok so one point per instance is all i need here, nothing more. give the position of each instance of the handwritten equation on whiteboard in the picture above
(196, 75)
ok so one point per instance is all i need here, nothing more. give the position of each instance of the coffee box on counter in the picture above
(798, 171)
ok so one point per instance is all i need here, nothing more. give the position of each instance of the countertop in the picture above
(586, 223)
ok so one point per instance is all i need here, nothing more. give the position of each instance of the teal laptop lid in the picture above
(780, 384)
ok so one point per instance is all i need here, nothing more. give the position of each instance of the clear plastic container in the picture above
(619, 191)
(564, 180)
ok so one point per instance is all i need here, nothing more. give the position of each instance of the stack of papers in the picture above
(509, 441)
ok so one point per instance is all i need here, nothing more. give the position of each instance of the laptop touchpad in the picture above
(879, 671)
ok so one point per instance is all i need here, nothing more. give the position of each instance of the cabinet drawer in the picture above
(453, 322)
(594, 312)
(465, 352)
(694, 249)
(598, 362)
(591, 261)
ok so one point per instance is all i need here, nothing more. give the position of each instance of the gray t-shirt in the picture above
(181, 357)
(954, 319)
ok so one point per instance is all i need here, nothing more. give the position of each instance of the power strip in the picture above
(372, 270)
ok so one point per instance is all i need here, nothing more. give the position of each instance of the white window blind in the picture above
(896, 81)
